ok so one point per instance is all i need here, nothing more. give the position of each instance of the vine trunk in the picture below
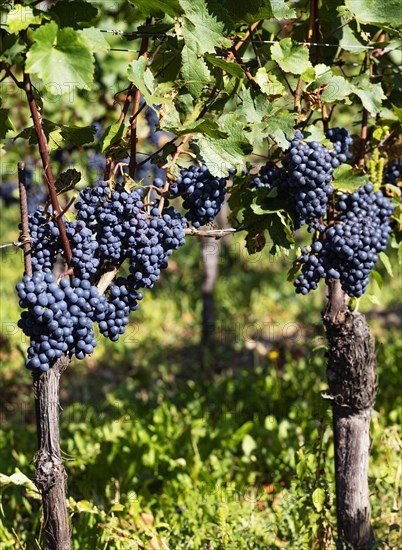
(50, 475)
(351, 373)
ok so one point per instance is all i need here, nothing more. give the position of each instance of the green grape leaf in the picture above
(371, 95)
(318, 498)
(94, 39)
(58, 136)
(337, 88)
(60, 57)
(377, 277)
(373, 299)
(22, 17)
(11, 48)
(345, 178)
(194, 72)
(142, 77)
(269, 84)
(221, 154)
(291, 57)
(73, 13)
(386, 263)
(229, 67)
(78, 135)
(67, 180)
(158, 8)
(255, 10)
(111, 135)
(5, 123)
(294, 271)
(378, 13)
(349, 39)
(280, 127)
(201, 30)
(206, 127)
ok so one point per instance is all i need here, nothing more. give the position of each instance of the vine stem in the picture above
(44, 154)
(25, 236)
(317, 29)
(136, 105)
(297, 96)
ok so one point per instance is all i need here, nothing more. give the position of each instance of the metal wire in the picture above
(137, 34)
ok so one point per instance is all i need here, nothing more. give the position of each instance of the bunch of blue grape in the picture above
(97, 162)
(58, 318)
(306, 180)
(45, 240)
(348, 249)
(122, 299)
(393, 173)
(153, 120)
(342, 141)
(113, 225)
(152, 248)
(84, 247)
(114, 215)
(203, 194)
(266, 177)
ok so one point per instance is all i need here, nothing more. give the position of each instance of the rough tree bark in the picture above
(351, 372)
(50, 475)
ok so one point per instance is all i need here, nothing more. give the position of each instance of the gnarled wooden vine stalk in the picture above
(351, 372)
(50, 475)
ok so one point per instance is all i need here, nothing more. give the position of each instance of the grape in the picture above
(341, 139)
(306, 181)
(97, 162)
(121, 301)
(349, 248)
(45, 240)
(265, 177)
(203, 194)
(84, 248)
(59, 318)
(393, 173)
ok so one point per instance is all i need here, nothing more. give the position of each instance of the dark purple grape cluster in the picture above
(342, 140)
(113, 225)
(97, 162)
(84, 247)
(393, 173)
(348, 249)
(266, 177)
(153, 120)
(203, 194)
(115, 216)
(125, 229)
(149, 255)
(45, 240)
(122, 299)
(58, 318)
(306, 180)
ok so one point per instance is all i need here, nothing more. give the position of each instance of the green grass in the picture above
(168, 445)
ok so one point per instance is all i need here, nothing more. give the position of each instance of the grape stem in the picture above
(214, 233)
(25, 236)
(44, 154)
